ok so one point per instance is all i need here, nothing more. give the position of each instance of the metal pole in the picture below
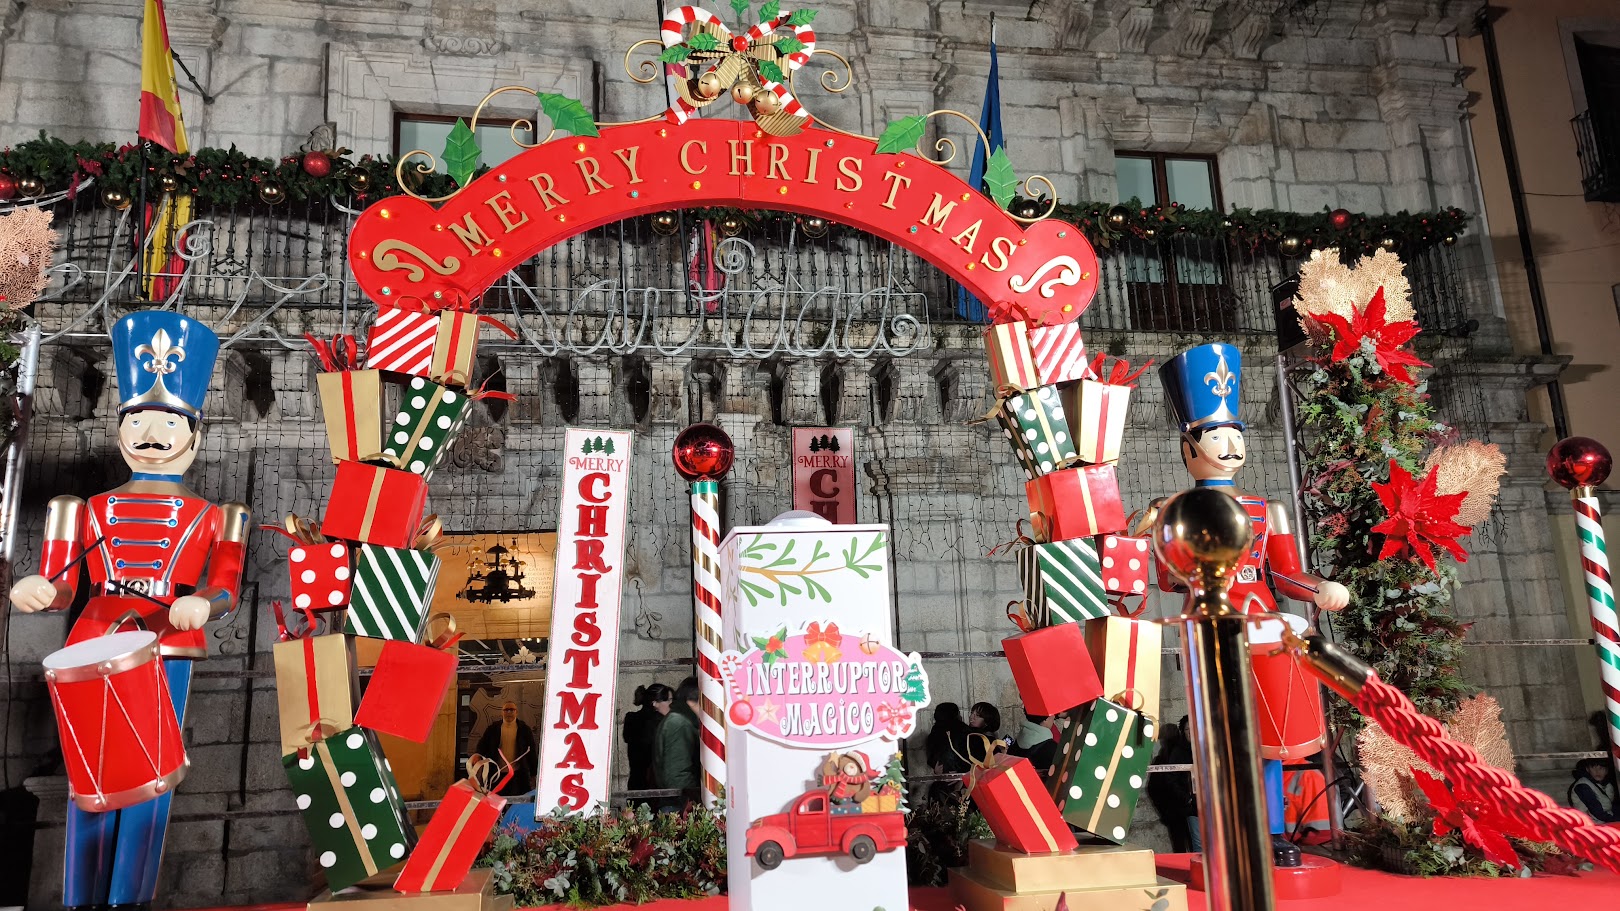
(17, 452)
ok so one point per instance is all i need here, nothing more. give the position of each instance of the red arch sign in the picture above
(403, 247)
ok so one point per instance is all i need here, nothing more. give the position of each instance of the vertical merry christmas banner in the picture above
(819, 703)
(576, 740)
(824, 472)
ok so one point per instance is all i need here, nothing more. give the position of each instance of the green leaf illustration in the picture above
(740, 7)
(902, 134)
(461, 153)
(1000, 179)
(801, 17)
(770, 72)
(567, 114)
(786, 46)
(770, 11)
(676, 54)
(703, 41)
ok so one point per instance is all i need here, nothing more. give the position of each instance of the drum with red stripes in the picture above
(120, 737)
(1287, 700)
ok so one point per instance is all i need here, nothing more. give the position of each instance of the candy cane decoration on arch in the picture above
(745, 64)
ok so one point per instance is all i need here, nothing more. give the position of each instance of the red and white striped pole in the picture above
(1580, 464)
(703, 454)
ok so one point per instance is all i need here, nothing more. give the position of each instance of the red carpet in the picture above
(1362, 889)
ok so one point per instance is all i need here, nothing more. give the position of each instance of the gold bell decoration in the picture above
(272, 193)
(766, 103)
(115, 199)
(744, 92)
(709, 85)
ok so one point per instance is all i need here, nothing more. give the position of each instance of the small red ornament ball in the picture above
(1579, 462)
(703, 452)
(741, 712)
(8, 187)
(1339, 219)
(317, 164)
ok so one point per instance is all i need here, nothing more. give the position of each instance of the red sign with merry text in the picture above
(582, 664)
(403, 248)
(824, 472)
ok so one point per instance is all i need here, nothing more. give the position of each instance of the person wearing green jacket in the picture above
(675, 750)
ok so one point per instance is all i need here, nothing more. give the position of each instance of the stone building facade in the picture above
(1301, 106)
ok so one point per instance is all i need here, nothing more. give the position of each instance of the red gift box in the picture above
(322, 576)
(1013, 801)
(445, 853)
(1124, 562)
(455, 345)
(1052, 668)
(408, 685)
(376, 505)
(401, 340)
(1060, 354)
(1075, 503)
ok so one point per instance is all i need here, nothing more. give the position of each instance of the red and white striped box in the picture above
(1060, 354)
(1012, 363)
(401, 340)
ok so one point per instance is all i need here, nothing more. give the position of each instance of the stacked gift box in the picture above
(1079, 653)
(368, 569)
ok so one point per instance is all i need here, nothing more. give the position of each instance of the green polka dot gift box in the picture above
(351, 806)
(1035, 426)
(1102, 765)
(429, 419)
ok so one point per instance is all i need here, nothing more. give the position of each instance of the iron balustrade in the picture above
(1597, 145)
(255, 269)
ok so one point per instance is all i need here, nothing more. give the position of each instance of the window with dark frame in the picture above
(1597, 129)
(428, 132)
(1174, 282)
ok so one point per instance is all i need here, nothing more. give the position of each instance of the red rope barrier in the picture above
(1533, 815)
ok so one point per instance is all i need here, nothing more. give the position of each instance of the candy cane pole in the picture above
(1580, 464)
(703, 454)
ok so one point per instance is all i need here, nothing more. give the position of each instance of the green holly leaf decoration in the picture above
(461, 153)
(770, 72)
(676, 54)
(740, 7)
(703, 41)
(999, 178)
(903, 134)
(788, 46)
(801, 17)
(770, 11)
(567, 114)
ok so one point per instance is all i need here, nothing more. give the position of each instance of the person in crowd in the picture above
(1593, 791)
(511, 738)
(1172, 792)
(675, 749)
(945, 739)
(1034, 742)
(984, 719)
(640, 730)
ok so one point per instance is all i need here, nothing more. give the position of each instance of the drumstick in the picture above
(121, 589)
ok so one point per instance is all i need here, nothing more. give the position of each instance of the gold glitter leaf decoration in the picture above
(1474, 468)
(26, 245)
(1327, 285)
(1387, 766)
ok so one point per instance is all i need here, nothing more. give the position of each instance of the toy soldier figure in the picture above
(1201, 388)
(155, 549)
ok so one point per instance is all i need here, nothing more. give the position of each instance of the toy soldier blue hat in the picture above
(1203, 387)
(164, 361)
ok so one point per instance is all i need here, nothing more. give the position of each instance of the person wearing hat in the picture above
(155, 551)
(1202, 388)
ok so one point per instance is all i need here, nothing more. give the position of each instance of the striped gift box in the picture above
(1011, 362)
(392, 591)
(1062, 581)
(1060, 353)
(401, 341)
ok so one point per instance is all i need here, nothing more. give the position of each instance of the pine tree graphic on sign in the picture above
(833, 444)
(815, 444)
(607, 447)
(916, 689)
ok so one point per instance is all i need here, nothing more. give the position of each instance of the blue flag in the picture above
(968, 306)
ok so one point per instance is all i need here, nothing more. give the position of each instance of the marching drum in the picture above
(120, 738)
(1287, 700)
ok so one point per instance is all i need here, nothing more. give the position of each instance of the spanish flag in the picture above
(160, 93)
(162, 123)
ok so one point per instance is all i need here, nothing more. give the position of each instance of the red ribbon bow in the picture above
(893, 717)
(814, 635)
(1120, 374)
(288, 633)
(341, 353)
(1020, 540)
(485, 393)
(1007, 312)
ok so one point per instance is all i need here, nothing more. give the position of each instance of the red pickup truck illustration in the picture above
(810, 828)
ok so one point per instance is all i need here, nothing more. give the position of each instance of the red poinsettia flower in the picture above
(1420, 518)
(1388, 338)
(1479, 825)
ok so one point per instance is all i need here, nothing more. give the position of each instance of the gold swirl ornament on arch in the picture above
(385, 258)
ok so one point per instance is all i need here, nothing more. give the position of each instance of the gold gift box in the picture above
(1157, 894)
(1090, 866)
(1110, 642)
(476, 893)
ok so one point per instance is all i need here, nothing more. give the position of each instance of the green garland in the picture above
(230, 177)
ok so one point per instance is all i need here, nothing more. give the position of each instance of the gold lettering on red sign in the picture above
(969, 236)
(850, 168)
(745, 157)
(938, 211)
(815, 159)
(501, 205)
(545, 186)
(896, 181)
(686, 149)
(627, 157)
(591, 170)
(1002, 248)
(467, 231)
(779, 156)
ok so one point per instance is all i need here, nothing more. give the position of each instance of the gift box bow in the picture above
(486, 776)
(994, 750)
(430, 537)
(1018, 542)
(445, 637)
(1007, 312)
(1026, 619)
(290, 631)
(454, 302)
(318, 730)
(298, 529)
(341, 353)
(1120, 374)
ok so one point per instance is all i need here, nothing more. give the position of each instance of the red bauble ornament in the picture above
(8, 187)
(1339, 219)
(742, 712)
(317, 164)
(1579, 462)
(703, 452)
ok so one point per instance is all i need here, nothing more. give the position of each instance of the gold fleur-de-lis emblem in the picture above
(162, 356)
(1220, 379)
